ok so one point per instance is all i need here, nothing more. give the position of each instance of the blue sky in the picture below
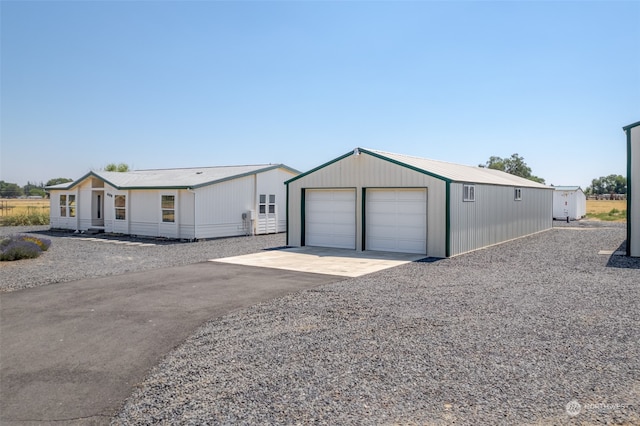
(202, 83)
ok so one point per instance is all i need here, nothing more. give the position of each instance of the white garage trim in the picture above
(396, 220)
(330, 218)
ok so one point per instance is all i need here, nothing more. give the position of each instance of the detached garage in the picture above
(381, 201)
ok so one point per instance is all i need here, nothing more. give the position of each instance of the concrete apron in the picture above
(321, 260)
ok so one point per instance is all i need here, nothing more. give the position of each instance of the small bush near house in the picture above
(16, 247)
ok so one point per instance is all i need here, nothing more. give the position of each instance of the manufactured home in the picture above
(633, 188)
(569, 202)
(375, 200)
(191, 203)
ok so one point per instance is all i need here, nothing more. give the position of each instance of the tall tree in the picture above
(514, 165)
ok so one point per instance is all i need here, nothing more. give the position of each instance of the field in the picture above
(21, 211)
(609, 210)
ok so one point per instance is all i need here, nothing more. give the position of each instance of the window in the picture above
(72, 206)
(517, 194)
(63, 206)
(262, 207)
(468, 192)
(120, 203)
(272, 203)
(169, 208)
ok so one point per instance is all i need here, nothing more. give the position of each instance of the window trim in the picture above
(468, 192)
(517, 194)
(122, 209)
(62, 201)
(164, 209)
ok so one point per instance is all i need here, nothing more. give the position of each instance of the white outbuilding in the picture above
(374, 200)
(633, 189)
(190, 203)
(569, 202)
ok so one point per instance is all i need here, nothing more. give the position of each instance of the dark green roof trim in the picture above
(630, 126)
(78, 181)
(408, 166)
(319, 167)
(241, 175)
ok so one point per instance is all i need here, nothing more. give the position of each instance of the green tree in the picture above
(612, 184)
(57, 181)
(10, 190)
(113, 167)
(514, 165)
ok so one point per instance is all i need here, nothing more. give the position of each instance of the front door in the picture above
(97, 208)
(267, 214)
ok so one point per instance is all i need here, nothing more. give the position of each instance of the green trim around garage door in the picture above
(302, 217)
(447, 247)
(364, 218)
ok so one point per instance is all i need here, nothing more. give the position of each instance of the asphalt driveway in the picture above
(73, 352)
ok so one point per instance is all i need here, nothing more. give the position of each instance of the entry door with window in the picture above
(267, 214)
(168, 226)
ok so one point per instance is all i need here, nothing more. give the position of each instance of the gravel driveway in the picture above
(540, 330)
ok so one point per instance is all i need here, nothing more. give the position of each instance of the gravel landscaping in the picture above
(540, 330)
(527, 332)
(71, 257)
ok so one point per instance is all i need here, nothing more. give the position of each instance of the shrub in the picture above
(26, 219)
(16, 247)
(43, 243)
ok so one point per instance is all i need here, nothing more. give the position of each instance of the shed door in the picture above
(330, 218)
(396, 220)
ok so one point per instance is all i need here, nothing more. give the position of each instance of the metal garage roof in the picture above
(441, 169)
(174, 178)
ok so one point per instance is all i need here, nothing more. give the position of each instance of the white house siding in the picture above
(56, 219)
(272, 183)
(634, 199)
(495, 216)
(366, 171)
(219, 207)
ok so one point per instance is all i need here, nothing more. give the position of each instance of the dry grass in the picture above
(20, 206)
(609, 210)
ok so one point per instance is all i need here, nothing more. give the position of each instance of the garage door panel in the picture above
(330, 218)
(396, 220)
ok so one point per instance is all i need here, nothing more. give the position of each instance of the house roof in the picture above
(567, 188)
(451, 172)
(188, 178)
(630, 126)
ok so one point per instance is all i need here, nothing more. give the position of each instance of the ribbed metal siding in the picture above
(365, 171)
(634, 176)
(495, 216)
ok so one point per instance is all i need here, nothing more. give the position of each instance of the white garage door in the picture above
(330, 218)
(396, 220)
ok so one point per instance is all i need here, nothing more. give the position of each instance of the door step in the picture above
(94, 231)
